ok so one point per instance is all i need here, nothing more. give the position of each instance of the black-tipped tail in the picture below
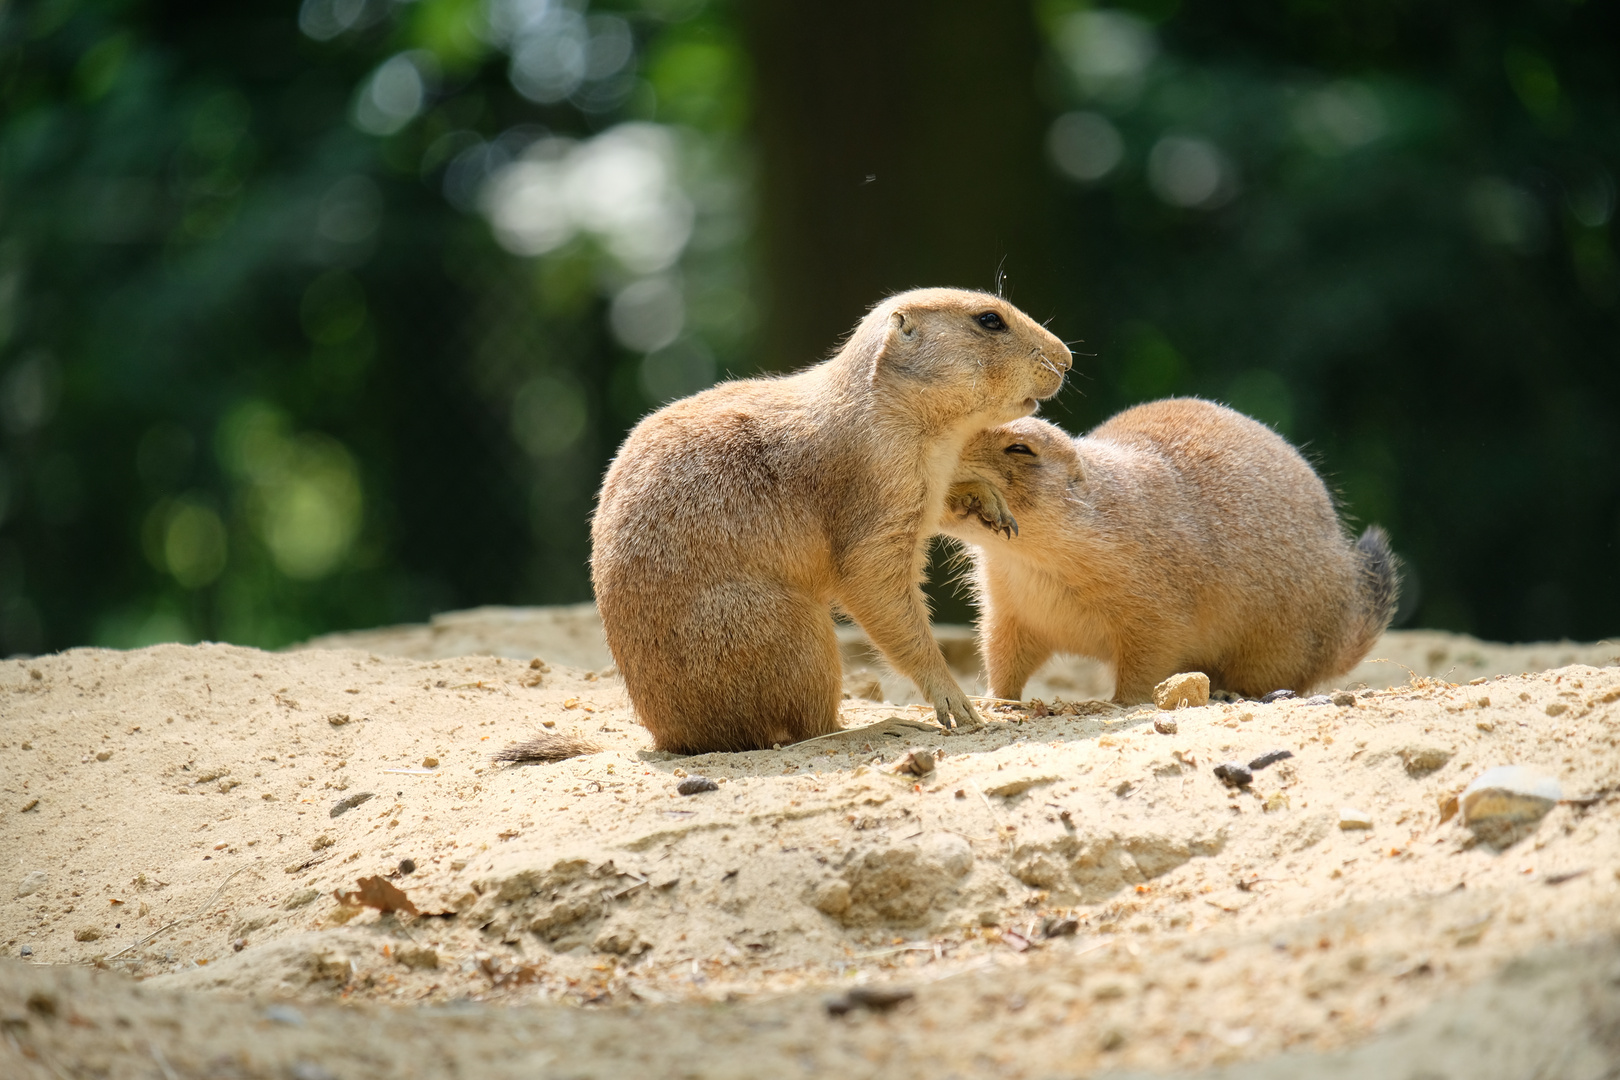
(1379, 587)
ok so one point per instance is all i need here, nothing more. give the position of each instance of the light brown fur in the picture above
(731, 522)
(1178, 536)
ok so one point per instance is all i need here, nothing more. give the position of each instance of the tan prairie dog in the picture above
(1178, 536)
(731, 522)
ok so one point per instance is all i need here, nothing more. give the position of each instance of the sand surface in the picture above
(1063, 894)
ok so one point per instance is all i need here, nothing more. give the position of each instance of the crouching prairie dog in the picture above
(731, 522)
(1177, 536)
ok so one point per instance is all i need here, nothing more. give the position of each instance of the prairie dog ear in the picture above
(903, 323)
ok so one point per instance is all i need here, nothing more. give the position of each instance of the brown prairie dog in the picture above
(1178, 536)
(731, 522)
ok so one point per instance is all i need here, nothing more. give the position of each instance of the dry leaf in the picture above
(379, 893)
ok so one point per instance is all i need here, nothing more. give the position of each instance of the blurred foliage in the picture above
(329, 314)
(315, 316)
(1389, 232)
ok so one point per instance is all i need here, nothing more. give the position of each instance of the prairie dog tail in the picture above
(1378, 587)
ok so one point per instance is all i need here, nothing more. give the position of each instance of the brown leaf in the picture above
(379, 893)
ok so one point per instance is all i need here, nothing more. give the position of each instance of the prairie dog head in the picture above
(950, 356)
(1033, 467)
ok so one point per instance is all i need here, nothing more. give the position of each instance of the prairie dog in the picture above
(1177, 536)
(731, 522)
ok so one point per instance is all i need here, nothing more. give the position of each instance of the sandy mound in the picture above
(1062, 892)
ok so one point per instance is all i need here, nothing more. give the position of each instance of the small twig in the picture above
(865, 727)
(162, 1062)
(910, 946)
(1001, 831)
(184, 919)
(630, 888)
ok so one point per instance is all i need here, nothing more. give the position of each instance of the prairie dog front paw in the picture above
(983, 500)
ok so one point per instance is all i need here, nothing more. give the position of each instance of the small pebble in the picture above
(284, 1014)
(26, 950)
(1557, 708)
(915, 762)
(338, 719)
(430, 763)
(1421, 759)
(32, 882)
(1351, 818)
(106, 755)
(1319, 699)
(407, 866)
(871, 998)
(1277, 695)
(239, 944)
(1165, 726)
(1060, 927)
(693, 785)
(1270, 757)
(1343, 698)
(1234, 774)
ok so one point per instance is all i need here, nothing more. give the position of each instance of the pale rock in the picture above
(1189, 690)
(1351, 818)
(1505, 804)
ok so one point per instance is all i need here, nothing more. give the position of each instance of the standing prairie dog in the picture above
(1178, 536)
(731, 522)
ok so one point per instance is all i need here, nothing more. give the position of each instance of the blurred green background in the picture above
(327, 315)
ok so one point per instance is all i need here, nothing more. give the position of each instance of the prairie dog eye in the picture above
(1019, 448)
(990, 321)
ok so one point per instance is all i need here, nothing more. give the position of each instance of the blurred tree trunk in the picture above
(901, 146)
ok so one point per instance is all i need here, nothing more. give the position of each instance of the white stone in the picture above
(1351, 818)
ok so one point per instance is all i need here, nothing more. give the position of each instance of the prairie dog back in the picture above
(1178, 535)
